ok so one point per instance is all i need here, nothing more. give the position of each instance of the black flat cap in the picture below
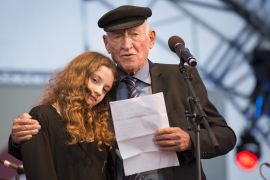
(124, 17)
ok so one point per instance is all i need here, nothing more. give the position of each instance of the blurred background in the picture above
(229, 38)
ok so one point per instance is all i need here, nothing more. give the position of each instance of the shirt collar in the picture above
(143, 74)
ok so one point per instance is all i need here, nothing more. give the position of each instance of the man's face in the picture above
(129, 48)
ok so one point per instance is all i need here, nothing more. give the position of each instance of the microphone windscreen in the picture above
(173, 41)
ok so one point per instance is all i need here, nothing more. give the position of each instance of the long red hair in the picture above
(68, 89)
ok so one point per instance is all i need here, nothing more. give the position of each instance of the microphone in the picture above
(19, 168)
(177, 45)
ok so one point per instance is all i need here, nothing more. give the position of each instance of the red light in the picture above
(246, 160)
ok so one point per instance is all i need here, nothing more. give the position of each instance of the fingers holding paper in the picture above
(172, 139)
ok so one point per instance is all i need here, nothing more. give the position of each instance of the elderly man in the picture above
(128, 40)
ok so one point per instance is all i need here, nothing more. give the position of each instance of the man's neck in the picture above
(142, 74)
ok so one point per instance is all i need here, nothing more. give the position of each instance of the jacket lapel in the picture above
(113, 92)
(157, 78)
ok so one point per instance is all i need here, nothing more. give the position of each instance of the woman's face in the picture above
(100, 82)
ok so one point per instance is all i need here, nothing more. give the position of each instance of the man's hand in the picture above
(172, 139)
(23, 128)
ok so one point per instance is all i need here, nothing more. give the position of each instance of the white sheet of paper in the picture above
(135, 122)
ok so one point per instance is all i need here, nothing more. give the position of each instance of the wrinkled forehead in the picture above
(124, 30)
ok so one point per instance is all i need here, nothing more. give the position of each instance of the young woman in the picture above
(75, 141)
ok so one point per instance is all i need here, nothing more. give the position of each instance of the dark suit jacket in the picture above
(167, 79)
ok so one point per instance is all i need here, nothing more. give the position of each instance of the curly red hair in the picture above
(68, 89)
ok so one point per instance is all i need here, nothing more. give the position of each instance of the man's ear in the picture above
(152, 38)
(105, 40)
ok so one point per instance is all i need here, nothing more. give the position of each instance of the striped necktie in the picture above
(131, 82)
(132, 93)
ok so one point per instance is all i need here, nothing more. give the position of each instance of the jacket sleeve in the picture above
(14, 151)
(224, 134)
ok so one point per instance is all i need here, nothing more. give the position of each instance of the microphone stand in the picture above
(197, 118)
(20, 171)
(19, 168)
